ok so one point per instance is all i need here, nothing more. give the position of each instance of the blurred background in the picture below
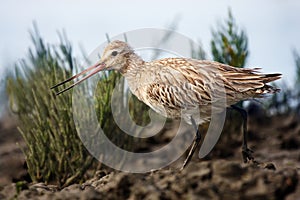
(44, 42)
(272, 26)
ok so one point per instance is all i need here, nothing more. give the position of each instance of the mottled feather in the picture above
(171, 85)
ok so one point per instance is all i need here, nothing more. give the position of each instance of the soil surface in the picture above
(221, 175)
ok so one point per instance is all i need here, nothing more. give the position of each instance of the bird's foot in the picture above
(247, 154)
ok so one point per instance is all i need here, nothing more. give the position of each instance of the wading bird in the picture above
(172, 85)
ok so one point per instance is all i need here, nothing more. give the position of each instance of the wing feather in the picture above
(183, 83)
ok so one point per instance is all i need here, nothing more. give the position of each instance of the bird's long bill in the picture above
(94, 69)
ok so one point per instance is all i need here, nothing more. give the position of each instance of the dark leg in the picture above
(195, 144)
(247, 153)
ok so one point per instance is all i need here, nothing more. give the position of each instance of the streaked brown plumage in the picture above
(180, 83)
(171, 85)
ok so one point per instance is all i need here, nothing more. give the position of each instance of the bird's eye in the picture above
(114, 53)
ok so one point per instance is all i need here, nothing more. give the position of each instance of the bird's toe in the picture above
(247, 154)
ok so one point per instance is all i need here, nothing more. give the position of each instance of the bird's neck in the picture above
(132, 64)
(132, 71)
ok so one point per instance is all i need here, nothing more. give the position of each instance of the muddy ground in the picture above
(221, 175)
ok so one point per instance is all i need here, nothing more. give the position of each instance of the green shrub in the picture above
(230, 43)
(54, 151)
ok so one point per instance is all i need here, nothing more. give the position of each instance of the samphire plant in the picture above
(54, 151)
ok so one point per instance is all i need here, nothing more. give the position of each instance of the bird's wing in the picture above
(239, 83)
(174, 97)
(182, 82)
(177, 86)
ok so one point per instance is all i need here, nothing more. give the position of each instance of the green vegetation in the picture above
(54, 151)
(297, 63)
(297, 84)
(230, 44)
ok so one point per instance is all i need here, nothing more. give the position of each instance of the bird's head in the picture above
(114, 57)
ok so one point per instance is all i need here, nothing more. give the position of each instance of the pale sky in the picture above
(273, 26)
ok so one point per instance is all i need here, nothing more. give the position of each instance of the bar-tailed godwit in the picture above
(171, 85)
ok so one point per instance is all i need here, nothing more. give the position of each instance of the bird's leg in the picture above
(195, 144)
(247, 153)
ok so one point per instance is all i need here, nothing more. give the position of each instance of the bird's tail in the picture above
(267, 78)
(268, 89)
